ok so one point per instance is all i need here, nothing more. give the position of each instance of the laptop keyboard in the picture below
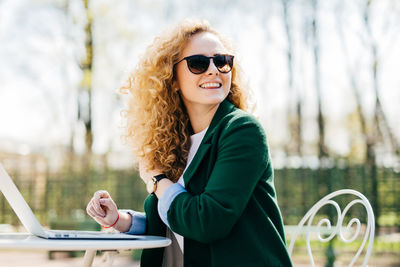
(71, 234)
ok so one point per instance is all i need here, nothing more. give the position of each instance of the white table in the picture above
(22, 241)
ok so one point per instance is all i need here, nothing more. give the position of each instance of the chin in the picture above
(216, 100)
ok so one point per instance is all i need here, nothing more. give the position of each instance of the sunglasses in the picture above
(198, 64)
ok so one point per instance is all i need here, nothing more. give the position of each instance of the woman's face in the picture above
(208, 89)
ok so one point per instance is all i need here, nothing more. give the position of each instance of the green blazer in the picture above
(229, 215)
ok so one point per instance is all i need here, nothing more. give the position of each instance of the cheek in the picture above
(184, 78)
(184, 84)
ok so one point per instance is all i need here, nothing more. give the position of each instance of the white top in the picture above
(195, 140)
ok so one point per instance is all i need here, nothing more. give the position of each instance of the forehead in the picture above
(204, 43)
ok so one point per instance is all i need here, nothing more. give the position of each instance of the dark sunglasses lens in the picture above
(224, 63)
(198, 64)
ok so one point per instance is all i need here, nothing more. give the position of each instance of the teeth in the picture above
(210, 85)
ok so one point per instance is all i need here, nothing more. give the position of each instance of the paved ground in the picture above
(40, 259)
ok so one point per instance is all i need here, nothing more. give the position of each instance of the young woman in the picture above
(205, 160)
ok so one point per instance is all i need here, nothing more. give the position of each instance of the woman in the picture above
(204, 159)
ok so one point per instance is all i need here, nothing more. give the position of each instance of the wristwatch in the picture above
(152, 184)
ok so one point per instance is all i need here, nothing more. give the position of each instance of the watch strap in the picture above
(159, 177)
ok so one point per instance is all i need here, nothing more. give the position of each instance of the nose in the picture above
(212, 69)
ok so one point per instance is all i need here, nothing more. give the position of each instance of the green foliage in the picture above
(299, 189)
(380, 245)
(136, 254)
(67, 194)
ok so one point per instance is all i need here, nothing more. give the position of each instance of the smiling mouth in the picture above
(210, 85)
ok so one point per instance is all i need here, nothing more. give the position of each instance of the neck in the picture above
(200, 118)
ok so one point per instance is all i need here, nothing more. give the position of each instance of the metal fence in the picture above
(63, 196)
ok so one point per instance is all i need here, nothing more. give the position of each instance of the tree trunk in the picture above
(376, 129)
(86, 89)
(322, 149)
(294, 102)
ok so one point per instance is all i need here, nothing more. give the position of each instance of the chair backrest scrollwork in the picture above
(338, 230)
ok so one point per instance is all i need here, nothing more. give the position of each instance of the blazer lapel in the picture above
(224, 108)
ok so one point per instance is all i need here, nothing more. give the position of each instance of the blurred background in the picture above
(325, 83)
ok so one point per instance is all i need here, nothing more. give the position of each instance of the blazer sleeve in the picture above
(242, 160)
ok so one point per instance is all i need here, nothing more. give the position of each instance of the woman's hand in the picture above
(104, 211)
(145, 174)
(102, 208)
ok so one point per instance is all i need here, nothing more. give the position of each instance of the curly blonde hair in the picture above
(157, 123)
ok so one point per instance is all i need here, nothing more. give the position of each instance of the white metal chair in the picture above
(338, 229)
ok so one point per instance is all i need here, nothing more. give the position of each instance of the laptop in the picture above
(28, 219)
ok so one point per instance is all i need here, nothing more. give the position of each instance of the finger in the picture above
(101, 194)
(90, 212)
(97, 214)
(96, 204)
(90, 207)
(108, 202)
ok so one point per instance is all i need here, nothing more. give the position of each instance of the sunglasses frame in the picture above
(209, 60)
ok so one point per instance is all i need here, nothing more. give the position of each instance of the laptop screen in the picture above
(19, 205)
